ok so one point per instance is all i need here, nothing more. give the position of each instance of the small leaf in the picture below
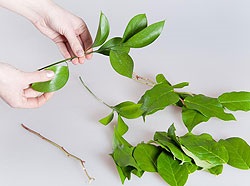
(113, 44)
(158, 98)
(129, 109)
(123, 156)
(146, 156)
(172, 135)
(239, 152)
(145, 36)
(171, 170)
(181, 85)
(106, 120)
(217, 170)
(102, 32)
(209, 107)
(60, 79)
(236, 101)
(205, 148)
(121, 127)
(191, 167)
(160, 78)
(135, 25)
(122, 63)
(192, 118)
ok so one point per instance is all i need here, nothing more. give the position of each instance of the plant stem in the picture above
(58, 62)
(90, 179)
(143, 80)
(94, 94)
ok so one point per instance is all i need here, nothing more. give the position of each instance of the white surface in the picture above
(206, 43)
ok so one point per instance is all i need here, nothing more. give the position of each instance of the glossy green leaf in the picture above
(102, 32)
(209, 107)
(135, 25)
(192, 118)
(236, 100)
(106, 120)
(145, 36)
(146, 156)
(123, 156)
(191, 167)
(205, 148)
(160, 78)
(129, 109)
(121, 127)
(60, 79)
(113, 44)
(239, 152)
(122, 63)
(158, 98)
(217, 170)
(181, 85)
(171, 170)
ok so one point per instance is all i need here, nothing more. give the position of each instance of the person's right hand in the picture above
(15, 87)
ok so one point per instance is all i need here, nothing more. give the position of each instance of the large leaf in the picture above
(60, 79)
(236, 100)
(102, 32)
(157, 98)
(122, 63)
(146, 156)
(164, 141)
(113, 44)
(135, 25)
(205, 148)
(145, 36)
(171, 170)
(239, 152)
(192, 118)
(129, 109)
(209, 107)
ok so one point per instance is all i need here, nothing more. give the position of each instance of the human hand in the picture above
(15, 87)
(68, 31)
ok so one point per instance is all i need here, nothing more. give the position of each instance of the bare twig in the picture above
(90, 179)
(143, 80)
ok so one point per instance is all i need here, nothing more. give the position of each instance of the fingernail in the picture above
(79, 53)
(50, 74)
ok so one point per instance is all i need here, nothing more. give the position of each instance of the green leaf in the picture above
(123, 156)
(192, 118)
(205, 148)
(217, 170)
(145, 36)
(121, 173)
(209, 107)
(236, 100)
(60, 79)
(106, 120)
(157, 98)
(135, 25)
(102, 32)
(129, 110)
(172, 135)
(164, 141)
(113, 44)
(181, 85)
(121, 127)
(160, 78)
(239, 152)
(171, 170)
(191, 167)
(146, 156)
(122, 63)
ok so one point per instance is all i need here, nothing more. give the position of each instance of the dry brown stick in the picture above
(90, 179)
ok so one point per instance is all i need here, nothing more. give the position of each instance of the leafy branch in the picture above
(90, 179)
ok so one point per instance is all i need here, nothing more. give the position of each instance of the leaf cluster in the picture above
(175, 158)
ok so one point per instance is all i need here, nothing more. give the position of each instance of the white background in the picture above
(206, 43)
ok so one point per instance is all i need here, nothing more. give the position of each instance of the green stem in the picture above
(58, 62)
(94, 94)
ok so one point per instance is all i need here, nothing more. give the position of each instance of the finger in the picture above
(74, 43)
(75, 60)
(29, 92)
(37, 101)
(63, 49)
(87, 41)
(38, 76)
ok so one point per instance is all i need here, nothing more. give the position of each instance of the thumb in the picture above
(74, 43)
(39, 76)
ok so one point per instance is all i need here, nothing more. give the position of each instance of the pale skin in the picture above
(69, 33)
